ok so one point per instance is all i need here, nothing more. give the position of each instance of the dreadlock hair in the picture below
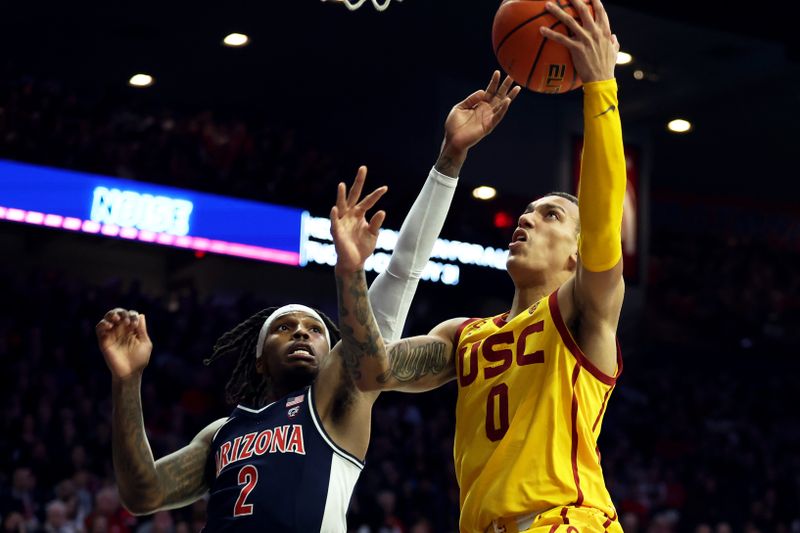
(246, 385)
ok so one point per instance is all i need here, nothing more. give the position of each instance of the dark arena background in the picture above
(703, 433)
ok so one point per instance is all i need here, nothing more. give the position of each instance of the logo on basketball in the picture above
(555, 77)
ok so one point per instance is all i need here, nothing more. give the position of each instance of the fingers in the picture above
(491, 89)
(341, 202)
(615, 42)
(472, 100)
(583, 12)
(502, 92)
(376, 221)
(371, 199)
(142, 327)
(508, 99)
(560, 38)
(500, 112)
(568, 20)
(602, 17)
(358, 185)
(117, 317)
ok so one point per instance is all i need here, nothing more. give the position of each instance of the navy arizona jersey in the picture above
(275, 469)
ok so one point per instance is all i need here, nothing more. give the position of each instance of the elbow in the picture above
(137, 509)
(370, 384)
(139, 506)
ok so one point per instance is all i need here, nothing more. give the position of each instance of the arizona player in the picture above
(289, 465)
(534, 383)
(288, 456)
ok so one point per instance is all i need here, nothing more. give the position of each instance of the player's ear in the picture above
(261, 365)
(572, 262)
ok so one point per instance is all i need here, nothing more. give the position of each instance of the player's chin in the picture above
(303, 370)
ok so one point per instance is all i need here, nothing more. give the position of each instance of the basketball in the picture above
(541, 65)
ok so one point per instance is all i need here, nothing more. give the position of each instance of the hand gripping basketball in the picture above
(544, 47)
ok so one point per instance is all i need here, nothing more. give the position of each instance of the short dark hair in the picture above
(571, 198)
(566, 195)
(246, 385)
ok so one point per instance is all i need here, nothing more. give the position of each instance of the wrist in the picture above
(451, 159)
(348, 270)
(133, 378)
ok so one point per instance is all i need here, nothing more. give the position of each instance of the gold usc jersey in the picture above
(529, 411)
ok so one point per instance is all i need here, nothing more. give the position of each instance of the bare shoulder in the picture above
(448, 329)
(182, 474)
(206, 435)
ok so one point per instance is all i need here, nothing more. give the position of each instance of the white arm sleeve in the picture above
(392, 291)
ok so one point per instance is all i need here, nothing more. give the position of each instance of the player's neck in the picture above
(525, 295)
(287, 386)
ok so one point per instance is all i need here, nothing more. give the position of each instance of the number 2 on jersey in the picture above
(248, 476)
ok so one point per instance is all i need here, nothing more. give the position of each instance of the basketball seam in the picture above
(538, 56)
(524, 23)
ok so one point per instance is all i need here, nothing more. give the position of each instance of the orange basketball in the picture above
(532, 61)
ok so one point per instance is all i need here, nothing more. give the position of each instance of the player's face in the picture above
(293, 348)
(546, 238)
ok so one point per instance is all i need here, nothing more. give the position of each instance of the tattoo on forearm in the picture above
(410, 363)
(360, 335)
(133, 460)
(447, 166)
(182, 475)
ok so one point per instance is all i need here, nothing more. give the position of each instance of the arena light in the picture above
(624, 58)
(484, 193)
(679, 125)
(236, 40)
(638, 74)
(141, 80)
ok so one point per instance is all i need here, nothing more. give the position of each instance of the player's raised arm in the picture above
(355, 240)
(145, 486)
(599, 287)
(473, 119)
(418, 364)
(467, 124)
(424, 361)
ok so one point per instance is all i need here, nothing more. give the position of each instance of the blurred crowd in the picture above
(46, 123)
(700, 435)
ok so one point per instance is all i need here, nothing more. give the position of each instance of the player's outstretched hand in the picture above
(474, 118)
(353, 236)
(122, 337)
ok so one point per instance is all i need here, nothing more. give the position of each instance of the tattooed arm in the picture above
(413, 365)
(418, 364)
(145, 486)
(355, 240)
